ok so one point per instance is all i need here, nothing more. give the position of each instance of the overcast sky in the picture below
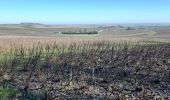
(85, 11)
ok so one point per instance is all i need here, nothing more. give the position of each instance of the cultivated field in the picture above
(37, 62)
(28, 34)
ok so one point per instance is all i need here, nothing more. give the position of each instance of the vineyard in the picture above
(98, 70)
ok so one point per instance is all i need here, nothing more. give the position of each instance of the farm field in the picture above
(37, 62)
(84, 50)
(28, 34)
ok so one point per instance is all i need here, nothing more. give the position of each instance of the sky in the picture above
(84, 11)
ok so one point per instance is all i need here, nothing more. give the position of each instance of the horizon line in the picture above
(87, 23)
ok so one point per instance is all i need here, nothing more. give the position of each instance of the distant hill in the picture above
(27, 25)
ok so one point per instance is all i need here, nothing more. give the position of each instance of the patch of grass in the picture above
(151, 33)
(6, 93)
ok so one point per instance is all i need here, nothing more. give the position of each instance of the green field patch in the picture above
(80, 33)
(151, 33)
(7, 92)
